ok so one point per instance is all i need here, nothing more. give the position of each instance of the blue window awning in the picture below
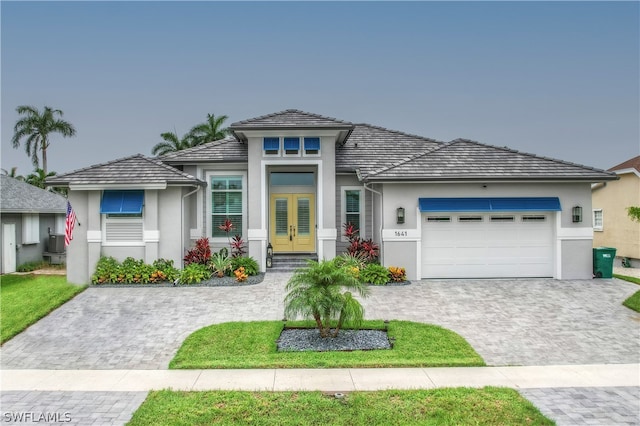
(312, 144)
(291, 144)
(122, 202)
(511, 204)
(271, 144)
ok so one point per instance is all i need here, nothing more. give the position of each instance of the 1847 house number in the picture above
(401, 233)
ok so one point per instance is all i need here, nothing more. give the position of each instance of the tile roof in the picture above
(291, 119)
(463, 159)
(632, 163)
(136, 169)
(17, 196)
(228, 149)
(370, 148)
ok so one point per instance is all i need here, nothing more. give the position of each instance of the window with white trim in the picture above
(271, 146)
(30, 228)
(291, 147)
(227, 202)
(597, 220)
(122, 217)
(353, 208)
(312, 147)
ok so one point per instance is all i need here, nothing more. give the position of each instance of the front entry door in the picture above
(293, 223)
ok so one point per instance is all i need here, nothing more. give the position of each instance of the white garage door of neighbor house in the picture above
(487, 245)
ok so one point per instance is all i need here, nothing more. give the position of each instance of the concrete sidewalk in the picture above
(328, 380)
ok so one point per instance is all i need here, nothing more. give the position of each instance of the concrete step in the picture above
(290, 262)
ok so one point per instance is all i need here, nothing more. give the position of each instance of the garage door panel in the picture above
(515, 245)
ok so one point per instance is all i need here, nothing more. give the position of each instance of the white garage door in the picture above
(487, 245)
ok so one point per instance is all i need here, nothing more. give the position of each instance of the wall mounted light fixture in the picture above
(576, 213)
(400, 215)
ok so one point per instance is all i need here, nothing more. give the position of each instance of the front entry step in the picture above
(290, 262)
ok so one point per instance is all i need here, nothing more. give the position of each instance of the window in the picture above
(597, 220)
(311, 146)
(438, 219)
(122, 224)
(504, 218)
(470, 219)
(226, 203)
(30, 228)
(271, 146)
(292, 146)
(352, 208)
(533, 218)
(122, 203)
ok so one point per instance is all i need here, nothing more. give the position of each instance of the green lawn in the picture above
(447, 406)
(24, 299)
(253, 345)
(633, 301)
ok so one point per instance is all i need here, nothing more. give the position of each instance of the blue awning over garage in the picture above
(498, 204)
(122, 202)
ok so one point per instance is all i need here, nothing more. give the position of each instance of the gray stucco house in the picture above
(292, 179)
(29, 215)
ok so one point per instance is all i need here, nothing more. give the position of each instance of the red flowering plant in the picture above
(366, 249)
(201, 253)
(237, 243)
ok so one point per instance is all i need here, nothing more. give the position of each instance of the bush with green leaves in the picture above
(106, 271)
(248, 263)
(133, 271)
(375, 274)
(194, 273)
(219, 264)
(30, 266)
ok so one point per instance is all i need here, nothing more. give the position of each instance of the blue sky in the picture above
(558, 79)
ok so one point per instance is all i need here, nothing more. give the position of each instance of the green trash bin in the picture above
(603, 261)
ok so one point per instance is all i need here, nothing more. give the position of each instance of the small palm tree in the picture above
(172, 143)
(38, 177)
(35, 128)
(316, 292)
(210, 130)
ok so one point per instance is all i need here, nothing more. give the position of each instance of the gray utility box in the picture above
(56, 243)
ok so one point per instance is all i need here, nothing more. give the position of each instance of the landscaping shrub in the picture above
(132, 271)
(219, 264)
(194, 273)
(240, 274)
(200, 254)
(248, 263)
(397, 274)
(375, 274)
(359, 247)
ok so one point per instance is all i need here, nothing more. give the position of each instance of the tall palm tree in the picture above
(210, 130)
(172, 143)
(35, 126)
(316, 291)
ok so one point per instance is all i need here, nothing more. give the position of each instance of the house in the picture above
(292, 179)
(29, 216)
(611, 223)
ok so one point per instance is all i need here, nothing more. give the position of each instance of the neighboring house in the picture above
(292, 179)
(611, 222)
(29, 215)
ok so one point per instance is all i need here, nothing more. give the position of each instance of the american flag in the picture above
(69, 224)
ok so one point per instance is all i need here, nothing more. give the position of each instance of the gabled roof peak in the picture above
(632, 163)
(290, 118)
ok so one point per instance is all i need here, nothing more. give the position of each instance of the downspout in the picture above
(381, 216)
(182, 216)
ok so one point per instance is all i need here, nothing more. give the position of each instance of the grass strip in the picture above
(446, 406)
(24, 299)
(253, 345)
(633, 301)
(627, 278)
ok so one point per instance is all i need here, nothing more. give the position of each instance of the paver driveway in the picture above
(509, 322)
